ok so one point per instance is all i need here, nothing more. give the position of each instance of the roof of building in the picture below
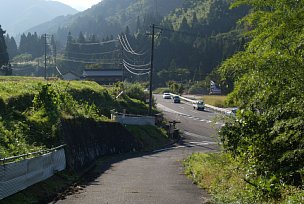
(71, 72)
(102, 72)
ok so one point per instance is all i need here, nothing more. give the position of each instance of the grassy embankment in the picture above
(215, 100)
(30, 113)
(224, 178)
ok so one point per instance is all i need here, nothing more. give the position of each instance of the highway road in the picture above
(198, 127)
(155, 177)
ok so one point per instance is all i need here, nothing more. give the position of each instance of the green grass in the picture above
(161, 90)
(214, 100)
(151, 137)
(222, 177)
(26, 125)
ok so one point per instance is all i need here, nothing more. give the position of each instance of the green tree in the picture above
(4, 59)
(268, 133)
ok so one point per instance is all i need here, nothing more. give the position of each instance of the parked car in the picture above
(166, 96)
(176, 99)
(199, 105)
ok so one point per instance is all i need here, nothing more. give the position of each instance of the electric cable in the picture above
(137, 69)
(138, 74)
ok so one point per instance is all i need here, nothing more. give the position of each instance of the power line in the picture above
(87, 62)
(93, 53)
(84, 59)
(123, 45)
(138, 74)
(59, 71)
(127, 47)
(135, 53)
(136, 65)
(136, 69)
(99, 43)
(179, 32)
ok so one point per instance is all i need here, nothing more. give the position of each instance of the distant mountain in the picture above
(109, 17)
(17, 16)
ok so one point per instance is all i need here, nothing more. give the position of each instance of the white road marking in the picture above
(196, 135)
(203, 143)
(166, 109)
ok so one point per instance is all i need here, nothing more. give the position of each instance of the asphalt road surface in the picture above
(156, 177)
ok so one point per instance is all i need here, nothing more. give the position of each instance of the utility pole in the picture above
(45, 49)
(151, 70)
(55, 53)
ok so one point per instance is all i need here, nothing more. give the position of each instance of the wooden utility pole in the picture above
(151, 71)
(45, 49)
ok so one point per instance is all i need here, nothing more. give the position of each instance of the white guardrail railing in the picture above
(17, 176)
(221, 110)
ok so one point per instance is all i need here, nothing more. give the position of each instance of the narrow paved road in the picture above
(156, 177)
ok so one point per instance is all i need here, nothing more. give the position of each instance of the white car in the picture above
(199, 105)
(166, 96)
(232, 112)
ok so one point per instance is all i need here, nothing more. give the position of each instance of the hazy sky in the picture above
(79, 4)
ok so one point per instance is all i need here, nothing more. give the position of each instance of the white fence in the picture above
(133, 119)
(17, 176)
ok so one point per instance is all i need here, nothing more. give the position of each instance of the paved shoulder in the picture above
(154, 178)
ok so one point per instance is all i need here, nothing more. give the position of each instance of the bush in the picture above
(136, 91)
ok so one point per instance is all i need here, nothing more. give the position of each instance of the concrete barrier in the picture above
(133, 119)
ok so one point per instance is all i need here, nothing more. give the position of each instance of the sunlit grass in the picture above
(223, 177)
(215, 100)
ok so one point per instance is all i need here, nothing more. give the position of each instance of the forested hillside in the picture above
(109, 17)
(197, 38)
(192, 39)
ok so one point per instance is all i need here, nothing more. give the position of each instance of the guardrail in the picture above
(130, 119)
(221, 110)
(17, 176)
(25, 156)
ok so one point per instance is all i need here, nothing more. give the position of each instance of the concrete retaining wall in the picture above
(133, 119)
(88, 140)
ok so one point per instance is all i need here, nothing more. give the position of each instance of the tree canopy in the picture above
(268, 75)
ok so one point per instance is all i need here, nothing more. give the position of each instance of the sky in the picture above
(80, 5)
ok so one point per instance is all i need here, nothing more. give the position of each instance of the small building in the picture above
(103, 76)
(69, 76)
(214, 90)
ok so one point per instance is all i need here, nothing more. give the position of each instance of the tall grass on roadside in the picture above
(215, 100)
(223, 177)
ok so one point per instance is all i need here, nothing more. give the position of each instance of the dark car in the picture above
(176, 99)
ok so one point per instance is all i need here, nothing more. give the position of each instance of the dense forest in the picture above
(192, 39)
(4, 57)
